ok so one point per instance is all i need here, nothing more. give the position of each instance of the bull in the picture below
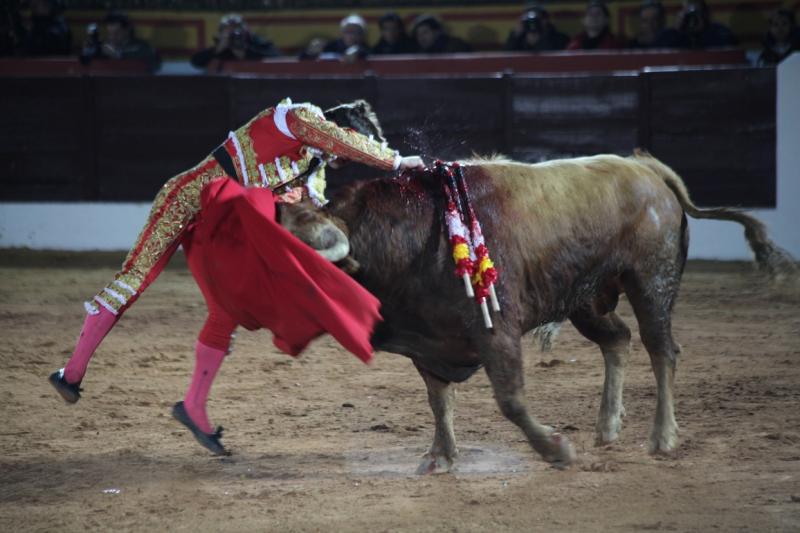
(569, 237)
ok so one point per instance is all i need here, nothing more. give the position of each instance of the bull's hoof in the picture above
(434, 464)
(560, 453)
(608, 431)
(663, 443)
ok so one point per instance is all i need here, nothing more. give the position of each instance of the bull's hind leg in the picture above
(503, 364)
(614, 339)
(652, 303)
(443, 451)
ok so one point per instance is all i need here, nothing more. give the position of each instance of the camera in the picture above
(238, 38)
(93, 35)
(532, 23)
(692, 19)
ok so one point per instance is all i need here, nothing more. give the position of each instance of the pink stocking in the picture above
(94, 330)
(207, 362)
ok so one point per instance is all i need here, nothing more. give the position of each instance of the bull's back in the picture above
(564, 228)
(553, 229)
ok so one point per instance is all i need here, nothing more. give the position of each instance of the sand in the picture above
(326, 443)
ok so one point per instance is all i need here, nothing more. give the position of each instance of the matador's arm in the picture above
(315, 131)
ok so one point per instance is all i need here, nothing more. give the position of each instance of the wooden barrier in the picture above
(487, 62)
(114, 138)
(71, 66)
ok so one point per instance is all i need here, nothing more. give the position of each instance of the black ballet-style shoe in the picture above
(71, 392)
(208, 440)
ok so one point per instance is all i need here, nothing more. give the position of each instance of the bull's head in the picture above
(324, 233)
(358, 116)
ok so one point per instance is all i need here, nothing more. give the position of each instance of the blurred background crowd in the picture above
(47, 28)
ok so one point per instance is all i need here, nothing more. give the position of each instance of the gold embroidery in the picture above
(250, 158)
(348, 144)
(176, 204)
(318, 185)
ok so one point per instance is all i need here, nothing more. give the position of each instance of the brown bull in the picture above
(568, 237)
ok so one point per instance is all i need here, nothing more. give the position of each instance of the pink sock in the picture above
(207, 362)
(94, 330)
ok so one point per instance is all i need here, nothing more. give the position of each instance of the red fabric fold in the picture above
(263, 276)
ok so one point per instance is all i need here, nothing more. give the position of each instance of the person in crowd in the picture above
(351, 44)
(699, 31)
(394, 39)
(11, 29)
(278, 156)
(596, 33)
(535, 33)
(48, 34)
(431, 37)
(234, 41)
(313, 50)
(653, 31)
(782, 39)
(120, 43)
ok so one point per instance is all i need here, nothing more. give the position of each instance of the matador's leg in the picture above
(213, 344)
(176, 204)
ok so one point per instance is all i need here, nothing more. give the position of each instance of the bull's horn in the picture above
(340, 247)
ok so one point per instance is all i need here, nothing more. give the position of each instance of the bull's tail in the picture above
(769, 257)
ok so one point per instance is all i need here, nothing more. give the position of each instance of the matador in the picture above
(277, 149)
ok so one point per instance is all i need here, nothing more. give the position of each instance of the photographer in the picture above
(698, 31)
(234, 42)
(535, 33)
(351, 45)
(47, 33)
(120, 43)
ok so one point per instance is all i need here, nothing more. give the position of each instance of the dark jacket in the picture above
(135, 49)
(256, 48)
(48, 36)
(605, 40)
(446, 44)
(550, 41)
(338, 47)
(667, 38)
(405, 45)
(714, 36)
(772, 55)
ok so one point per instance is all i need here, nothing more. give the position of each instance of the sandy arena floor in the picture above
(324, 443)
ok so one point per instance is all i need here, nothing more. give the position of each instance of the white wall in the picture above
(71, 226)
(711, 239)
(86, 226)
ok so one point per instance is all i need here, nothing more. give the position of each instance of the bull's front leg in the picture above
(441, 397)
(504, 368)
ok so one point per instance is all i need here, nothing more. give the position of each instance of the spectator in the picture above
(783, 38)
(234, 41)
(48, 35)
(11, 29)
(653, 31)
(698, 31)
(432, 39)
(596, 33)
(394, 39)
(351, 44)
(121, 43)
(313, 49)
(535, 32)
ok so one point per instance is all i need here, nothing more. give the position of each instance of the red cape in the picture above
(263, 276)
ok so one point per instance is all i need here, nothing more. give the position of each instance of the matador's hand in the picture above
(411, 162)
